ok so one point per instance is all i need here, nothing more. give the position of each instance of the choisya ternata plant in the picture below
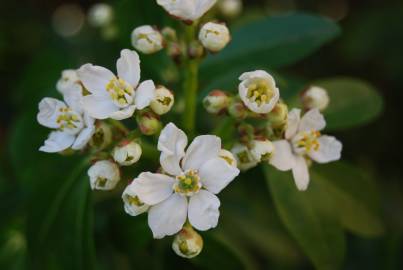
(181, 197)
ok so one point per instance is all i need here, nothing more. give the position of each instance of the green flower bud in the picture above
(278, 116)
(149, 122)
(102, 136)
(237, 109)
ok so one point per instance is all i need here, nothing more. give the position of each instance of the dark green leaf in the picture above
(355, 194)
(352, 102)
(308, 217)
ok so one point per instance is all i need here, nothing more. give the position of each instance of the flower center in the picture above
(259, 91)
(306, 141)
(69, 121)
(135, 201)
(121, 92)
(188, 183)
(101, 182)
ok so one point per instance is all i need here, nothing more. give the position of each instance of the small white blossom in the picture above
(216, 101)
(100, 14)
(146, 39)
(258, 91)
(315, 98)
(116, 97)
(187, 10)
(163, 101)
(244, 157)
(72, 128)
(132, 204)
(262, 150)
(104, 175)
(127, 154)
(68, 79)
(230, 8)
(303, 142)
(214, 36)
(187, 190)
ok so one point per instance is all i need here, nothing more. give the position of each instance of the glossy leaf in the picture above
(352, 102)
(308, 217)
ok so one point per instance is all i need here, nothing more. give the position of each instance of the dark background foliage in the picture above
(50, 219)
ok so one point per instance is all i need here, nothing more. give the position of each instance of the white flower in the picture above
(100, 14)
(244, 157)
(72, 128)
(262, 150)
(163, 101)
(104, 175)
(127, 154)
(303, 142)
(187, 10)
(68, 79)
(258, 91)
(116, 97)
(132, 204)
(214, 36)
(188, 191)
(315, 98)
(230, 8)
(146, 39)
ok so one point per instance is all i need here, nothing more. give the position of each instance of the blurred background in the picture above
(40, 38)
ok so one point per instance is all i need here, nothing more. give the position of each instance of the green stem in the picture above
(190, 85)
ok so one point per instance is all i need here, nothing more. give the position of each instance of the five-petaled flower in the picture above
(187, 10)
(116, 97)
(188, 187)
(73, 127)
(258, 91)
(304, 142)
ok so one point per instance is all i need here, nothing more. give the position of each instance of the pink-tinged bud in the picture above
(187, 243)
(278, 116)
(216, 102)
(148, 122)
(237, 109)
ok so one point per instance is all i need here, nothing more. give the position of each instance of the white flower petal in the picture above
(123, 113)
(329, 150)
(172, 140)
(130, 208)
(202, 6)
(312, 120)
(256, 74)
(301, 173)
(283, 158)
(203, 210)
(145, 93)
(99, 107)
(294, 117)
(168, 217)
(153, 188)
(128, 66)
(73, 97)
(216, 174)
(171, 164)
(95, 78)
(202, 149)
(49, 110)
(83, 138)
(57, 141)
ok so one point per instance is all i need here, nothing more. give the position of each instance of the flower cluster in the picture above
(180, 196)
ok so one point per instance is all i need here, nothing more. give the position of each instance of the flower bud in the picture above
(147, 39)
(187, 243)
(169, 34)
(230, 8)
(100, 15)
(278, 116)
(163, 101)
(214, 36)
(315, 98)
(262, 150)
(102, 137)
(228, 157)
(195, 50)
(149, 123)
(127, 153)
(132, 204)
(216, 102)
(69, 77)
(237, 109)
(244, 158)
(104, 175)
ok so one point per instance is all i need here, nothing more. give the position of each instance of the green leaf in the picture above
(352, 102)
(355, 194)
(272, 42)
(308, 217)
